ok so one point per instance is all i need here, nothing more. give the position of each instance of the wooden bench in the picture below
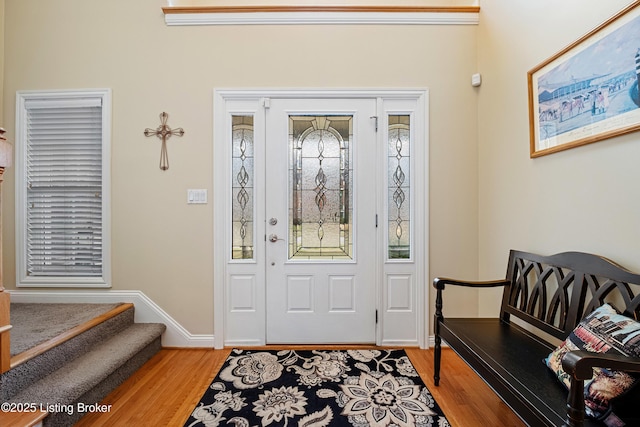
(543, 296)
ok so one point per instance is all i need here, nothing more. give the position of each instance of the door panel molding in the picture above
(402, 318)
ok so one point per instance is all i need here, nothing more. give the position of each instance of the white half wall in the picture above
(146, 311)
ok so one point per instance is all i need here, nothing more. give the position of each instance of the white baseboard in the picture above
(146, 311)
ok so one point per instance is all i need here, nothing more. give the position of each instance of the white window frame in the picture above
(22, 98)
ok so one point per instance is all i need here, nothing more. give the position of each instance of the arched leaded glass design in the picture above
(320, 210)
(242, 183)
(398, 178)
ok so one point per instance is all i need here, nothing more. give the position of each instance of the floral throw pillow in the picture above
(603, 331)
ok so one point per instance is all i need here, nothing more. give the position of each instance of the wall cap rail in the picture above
(310, 15)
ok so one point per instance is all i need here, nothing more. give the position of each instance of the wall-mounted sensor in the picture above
(476, 80)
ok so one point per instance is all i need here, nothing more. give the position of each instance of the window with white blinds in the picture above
(64, 199)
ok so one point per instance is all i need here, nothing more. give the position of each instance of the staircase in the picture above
(67, 375)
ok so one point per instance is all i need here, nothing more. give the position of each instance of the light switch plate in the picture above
(196, 196)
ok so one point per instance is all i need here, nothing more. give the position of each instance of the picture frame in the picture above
(588, 91)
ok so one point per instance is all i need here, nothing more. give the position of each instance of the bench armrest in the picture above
(579, 365)
(440, 282)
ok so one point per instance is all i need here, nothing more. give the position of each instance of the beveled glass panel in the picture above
(242, 176)
(320, 187)
(399, 185)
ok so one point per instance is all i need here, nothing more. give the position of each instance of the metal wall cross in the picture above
(164, 132)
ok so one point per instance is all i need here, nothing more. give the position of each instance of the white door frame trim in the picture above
(222, 215)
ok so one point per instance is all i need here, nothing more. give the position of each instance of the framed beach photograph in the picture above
(588, 92)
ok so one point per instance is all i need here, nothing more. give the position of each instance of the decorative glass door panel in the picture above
(320, 185)
(399, 185)
(242, 184)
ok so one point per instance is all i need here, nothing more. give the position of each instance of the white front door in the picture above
(321, 221)
(320, 209)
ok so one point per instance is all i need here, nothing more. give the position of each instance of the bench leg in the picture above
(437, 355)
(575, 404)
(437, 351)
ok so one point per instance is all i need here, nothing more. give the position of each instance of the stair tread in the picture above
(82, 325)
(36, 323)
(33, 365)
(72, 380)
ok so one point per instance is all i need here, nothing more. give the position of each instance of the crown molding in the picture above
(319, 15)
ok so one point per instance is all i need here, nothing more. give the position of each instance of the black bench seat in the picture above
(549, 294)
(510, 360)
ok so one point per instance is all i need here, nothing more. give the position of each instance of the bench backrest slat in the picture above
(553, 293)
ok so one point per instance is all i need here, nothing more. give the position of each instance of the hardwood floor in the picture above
(167, 388)
(464, 398)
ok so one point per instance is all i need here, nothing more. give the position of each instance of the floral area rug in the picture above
(317, 388)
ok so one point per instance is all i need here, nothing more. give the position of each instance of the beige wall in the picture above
(161, 245)
(585, 199)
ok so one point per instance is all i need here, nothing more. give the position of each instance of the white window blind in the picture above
(64, 187)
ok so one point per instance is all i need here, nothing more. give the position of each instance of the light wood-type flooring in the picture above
(167, 388)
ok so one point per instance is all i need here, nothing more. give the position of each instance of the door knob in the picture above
(274, 238)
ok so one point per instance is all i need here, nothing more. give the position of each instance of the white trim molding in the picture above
(321, 15)
(146, 311)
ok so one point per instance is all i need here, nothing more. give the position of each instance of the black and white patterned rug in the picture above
(317, 388)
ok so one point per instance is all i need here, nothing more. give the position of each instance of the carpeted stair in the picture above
(83, 367)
